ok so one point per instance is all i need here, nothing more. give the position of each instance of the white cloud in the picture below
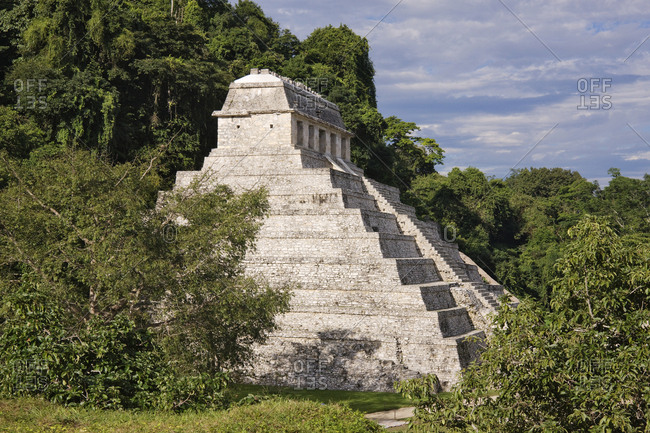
(484, 86)
(638, 156)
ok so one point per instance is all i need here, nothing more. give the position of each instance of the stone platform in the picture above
(379, 296)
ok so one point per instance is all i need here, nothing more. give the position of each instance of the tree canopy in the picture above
(515, 228)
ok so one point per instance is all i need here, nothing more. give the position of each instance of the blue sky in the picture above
(495, 82)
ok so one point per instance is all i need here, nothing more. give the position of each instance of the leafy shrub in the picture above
(203, 391)
(104, 365)
(581, 365)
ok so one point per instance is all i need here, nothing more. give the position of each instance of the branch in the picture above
(134, 295)
(92, 301)
(162, 149)
(43, 205)
(123, 176)
(162, 323)
(33, 265)
(179, 404)
(588, 301)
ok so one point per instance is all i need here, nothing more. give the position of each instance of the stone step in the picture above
(345, 219)
(334, 272)
(468, 344)
(454, 321)
(348, 181)
(329, 200)
(361, 200)
(380, 221)
(396, 311)
(484, 294)
(437, 298)
(416, 271)
(404, 208)
(382, 186)
(413, 301)
(342, 323)
(305, 243)
(450, 355)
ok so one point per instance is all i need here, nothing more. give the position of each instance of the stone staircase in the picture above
(372, 280)
(454, 324)
(445, 254)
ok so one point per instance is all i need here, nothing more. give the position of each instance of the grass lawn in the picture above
(289, 410)
(29, 415)
(366, 402)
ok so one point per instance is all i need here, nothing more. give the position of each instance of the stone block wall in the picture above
(263, 130)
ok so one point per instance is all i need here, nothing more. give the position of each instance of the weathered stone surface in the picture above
(380, 295)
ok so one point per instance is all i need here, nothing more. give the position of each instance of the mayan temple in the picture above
(380, 296)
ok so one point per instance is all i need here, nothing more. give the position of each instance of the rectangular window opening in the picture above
(299, 131)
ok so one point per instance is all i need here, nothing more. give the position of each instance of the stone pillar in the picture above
(345, 148)
(323, 145)
(305, 134)
(311, 139)
(298, 137)
(335, 145)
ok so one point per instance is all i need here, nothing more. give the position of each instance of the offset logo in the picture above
(169, 233)
(593, 93)
(308, 373)
(30, 375)
(449, 233)
(311, 102)
(30, 94)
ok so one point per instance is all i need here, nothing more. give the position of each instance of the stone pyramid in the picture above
(380, 295)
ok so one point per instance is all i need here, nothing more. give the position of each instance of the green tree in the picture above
(113, 364)
(627, 201)
(14, 17)
(89, 235)
(125, 78)
(346, 54)
(244, 37)
(546, 202)
(19, 134)
(580, 365)
(414, 156)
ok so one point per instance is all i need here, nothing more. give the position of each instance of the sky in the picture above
(505, 84)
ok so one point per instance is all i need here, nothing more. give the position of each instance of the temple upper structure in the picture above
(264, 100)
